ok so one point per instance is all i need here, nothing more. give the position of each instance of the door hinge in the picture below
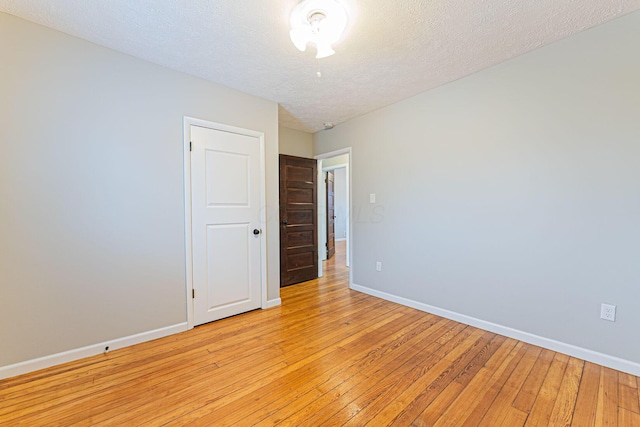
(190, 146)
(193, 293)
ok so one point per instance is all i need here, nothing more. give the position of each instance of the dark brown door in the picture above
(298, 220)
(331, 217)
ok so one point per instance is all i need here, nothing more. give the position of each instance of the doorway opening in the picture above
(336, 165)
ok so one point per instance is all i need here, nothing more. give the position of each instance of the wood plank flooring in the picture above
(327, 356)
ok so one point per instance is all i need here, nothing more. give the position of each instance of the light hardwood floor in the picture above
(327, 356)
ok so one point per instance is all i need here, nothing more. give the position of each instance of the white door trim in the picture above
(320, 158)
(187, 123)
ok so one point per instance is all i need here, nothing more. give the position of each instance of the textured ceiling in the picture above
(392, 49)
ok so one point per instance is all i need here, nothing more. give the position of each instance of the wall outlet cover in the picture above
(608, 312)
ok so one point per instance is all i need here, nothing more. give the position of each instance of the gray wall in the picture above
(342, 159)
(511, 195)
(295, 142)
(91, 179)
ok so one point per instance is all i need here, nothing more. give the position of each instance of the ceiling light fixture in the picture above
(320, 22)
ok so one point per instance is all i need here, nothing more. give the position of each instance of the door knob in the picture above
(256, 231)
(285, 222)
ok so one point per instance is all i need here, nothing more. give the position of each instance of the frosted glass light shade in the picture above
(324, 50)
(319, 22)
(300, 37)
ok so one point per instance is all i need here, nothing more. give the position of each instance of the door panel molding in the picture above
(186, 153)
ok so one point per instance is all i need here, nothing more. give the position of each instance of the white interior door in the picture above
(225, 227)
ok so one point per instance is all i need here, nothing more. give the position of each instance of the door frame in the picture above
(188, 246)
(321, 170)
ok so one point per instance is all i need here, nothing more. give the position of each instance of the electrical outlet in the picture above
(378, 266)
(372, 198)
(608, 312)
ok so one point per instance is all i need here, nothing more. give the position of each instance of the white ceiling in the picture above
(392, 49)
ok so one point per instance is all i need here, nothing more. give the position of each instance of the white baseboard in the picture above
(609, 361)
(342, 239)
(90, 350)
(273, 302)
